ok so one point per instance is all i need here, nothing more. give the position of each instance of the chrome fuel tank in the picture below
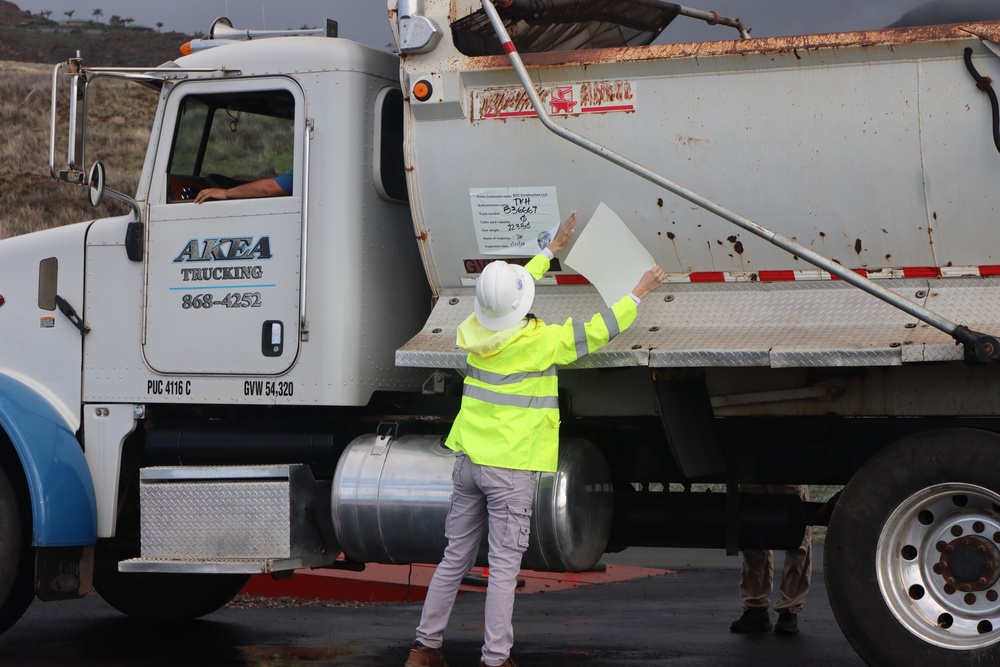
(391, 496)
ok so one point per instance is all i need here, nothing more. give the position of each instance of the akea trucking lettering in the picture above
(223, 273)
(226, 249)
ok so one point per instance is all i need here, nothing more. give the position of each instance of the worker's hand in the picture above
(210, 193)
(650, 281)
(565, 234)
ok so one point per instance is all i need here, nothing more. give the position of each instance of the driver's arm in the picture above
(265, 187)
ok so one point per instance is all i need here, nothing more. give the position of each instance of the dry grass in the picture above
(119, 118)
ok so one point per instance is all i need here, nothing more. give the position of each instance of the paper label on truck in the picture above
(516, 220)
(560, 100)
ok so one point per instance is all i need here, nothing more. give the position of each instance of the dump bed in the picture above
(874, 149)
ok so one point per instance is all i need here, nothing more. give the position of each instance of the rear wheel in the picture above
(16, 567)
(913, 552)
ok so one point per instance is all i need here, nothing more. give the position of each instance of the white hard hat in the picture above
(504, 293)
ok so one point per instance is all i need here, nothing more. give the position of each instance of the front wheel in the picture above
(16, 567)
(165, 596)
(913, 552)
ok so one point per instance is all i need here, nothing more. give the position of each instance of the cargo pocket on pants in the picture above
(518, 527)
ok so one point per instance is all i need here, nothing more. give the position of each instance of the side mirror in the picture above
(95, 184)
(96, 189)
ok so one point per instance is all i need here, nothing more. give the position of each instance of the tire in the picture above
(912, 555)
(17, 585)
(165, 596)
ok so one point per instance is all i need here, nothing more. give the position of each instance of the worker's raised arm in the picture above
(565, 234)
(650, 281)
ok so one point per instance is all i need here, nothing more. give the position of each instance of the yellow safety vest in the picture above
(510, 400)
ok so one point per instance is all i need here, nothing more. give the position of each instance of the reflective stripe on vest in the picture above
(510, 400)
(497, 378)
(580, 338)
(611, 322)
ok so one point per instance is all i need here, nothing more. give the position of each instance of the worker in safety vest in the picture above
(506, 432)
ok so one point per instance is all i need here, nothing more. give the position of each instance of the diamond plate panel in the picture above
(805, 324)
(215, 519)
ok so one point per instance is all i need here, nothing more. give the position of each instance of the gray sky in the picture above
(365, 20)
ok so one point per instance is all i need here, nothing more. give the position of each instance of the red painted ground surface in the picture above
(408, 583)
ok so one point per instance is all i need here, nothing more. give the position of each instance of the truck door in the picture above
(223, 276)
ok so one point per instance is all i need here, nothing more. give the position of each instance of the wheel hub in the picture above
(938, 565)
(968, 564)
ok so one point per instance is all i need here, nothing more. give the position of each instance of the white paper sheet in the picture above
(609, 255)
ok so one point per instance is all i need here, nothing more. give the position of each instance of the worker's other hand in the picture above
(565, 234)
(210, 193)
(650, 281)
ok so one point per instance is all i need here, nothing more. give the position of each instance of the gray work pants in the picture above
(757, 579)
(482, 494)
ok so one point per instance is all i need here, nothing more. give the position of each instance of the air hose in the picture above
(985, 84)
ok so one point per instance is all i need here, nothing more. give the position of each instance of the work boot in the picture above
(788, 623)
(754, 619)
(506, 663)
(425, 656)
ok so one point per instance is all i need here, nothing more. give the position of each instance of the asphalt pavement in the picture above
(676, 616)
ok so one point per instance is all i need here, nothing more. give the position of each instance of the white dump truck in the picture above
(191, 393)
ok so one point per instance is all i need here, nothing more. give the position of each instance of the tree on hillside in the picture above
(97, 14)
(69, 14)
(159, 25)
(45, 14)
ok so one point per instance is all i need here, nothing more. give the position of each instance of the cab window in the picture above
(225, 139)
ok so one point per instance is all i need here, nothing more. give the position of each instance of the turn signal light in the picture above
(2, 300)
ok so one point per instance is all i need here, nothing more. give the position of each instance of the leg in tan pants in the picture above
(757, 579)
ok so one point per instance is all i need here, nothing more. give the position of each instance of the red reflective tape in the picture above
(861, 272)
(776, 276)
(620, 107)
(708, 277)
(991, 270)
(922, 272)
(571, 280)
(509, 47)
(510, 114)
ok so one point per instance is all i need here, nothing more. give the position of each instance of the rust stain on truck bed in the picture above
(989, 31)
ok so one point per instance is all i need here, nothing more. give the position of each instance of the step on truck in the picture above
(193, 393)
